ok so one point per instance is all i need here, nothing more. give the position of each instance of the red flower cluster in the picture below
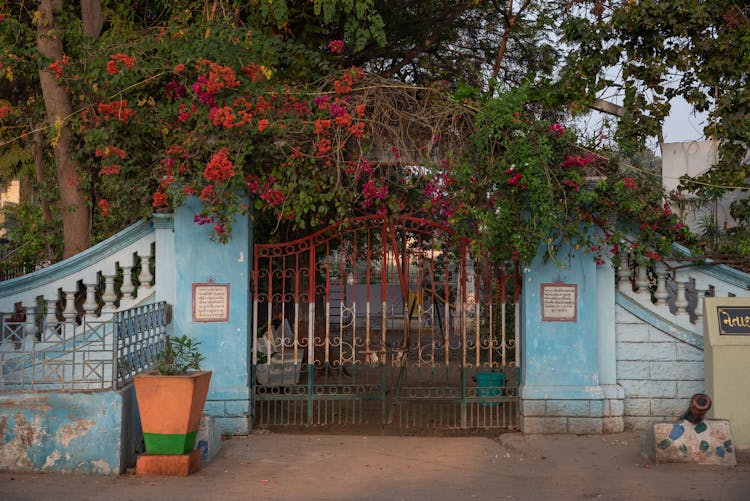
(557, 129)
(652, 254)
(109, 151)
(207, 193)
(58, 66)
(515, 178)
(4, 110)
(104, 207)
(220, 116)
(254, 72)
(272, 197)
(118, 60)
(629, 183)
(336, 46)
(184, 114)
(112, 169)
(219, 77)
(323, 147)
(373, 193)
(116, 109)
(160, 199)
(358, 129)
(321, 126)
(578, 161)
(219, 168)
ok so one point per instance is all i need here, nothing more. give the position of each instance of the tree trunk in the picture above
(38, 154)
(73, 204)
(93, 17)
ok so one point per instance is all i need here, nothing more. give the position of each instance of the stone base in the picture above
(707, 442)
(176, 465)
(572, 409)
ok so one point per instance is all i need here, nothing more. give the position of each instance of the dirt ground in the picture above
(271, 466)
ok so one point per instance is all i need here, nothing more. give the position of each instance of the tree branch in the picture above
(419, 48)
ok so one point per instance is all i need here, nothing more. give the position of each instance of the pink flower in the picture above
(557, 129)
(336, 46)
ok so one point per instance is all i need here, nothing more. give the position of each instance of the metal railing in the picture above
(140, 333)
(89, 354)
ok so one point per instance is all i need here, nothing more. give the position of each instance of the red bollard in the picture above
(699, 405)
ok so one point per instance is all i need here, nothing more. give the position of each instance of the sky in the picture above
(682, 124)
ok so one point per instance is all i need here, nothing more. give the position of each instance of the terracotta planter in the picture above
(171, 408)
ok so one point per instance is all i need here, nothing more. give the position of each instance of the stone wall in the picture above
(81, 432)
(658, 372)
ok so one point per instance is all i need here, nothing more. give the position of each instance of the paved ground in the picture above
(354, 467)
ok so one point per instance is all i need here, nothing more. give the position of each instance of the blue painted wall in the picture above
(560, 355)
(224, 344)
(67, 432)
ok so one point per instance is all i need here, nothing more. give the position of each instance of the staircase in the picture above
(61, 328)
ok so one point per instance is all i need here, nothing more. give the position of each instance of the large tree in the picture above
(64, 65)
(651, 51)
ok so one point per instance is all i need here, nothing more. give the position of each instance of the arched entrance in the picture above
(383, 321)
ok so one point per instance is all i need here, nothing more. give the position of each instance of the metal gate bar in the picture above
(380, 317)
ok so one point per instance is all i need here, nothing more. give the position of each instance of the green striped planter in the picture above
(171, 408)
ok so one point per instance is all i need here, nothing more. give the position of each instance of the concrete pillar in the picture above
(560, 379)
(224, 343)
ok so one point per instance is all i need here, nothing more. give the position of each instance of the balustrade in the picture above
(673, 289)
(51, 310)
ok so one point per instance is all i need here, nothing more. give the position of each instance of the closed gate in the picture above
(383, 321)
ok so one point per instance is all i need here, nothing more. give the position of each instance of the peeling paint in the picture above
(101, 466)
(241, 259)
(51, 460)
(77, 428)
(14, 455)
(62, 432)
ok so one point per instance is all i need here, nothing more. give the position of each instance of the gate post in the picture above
(212, 306)
(567, 347)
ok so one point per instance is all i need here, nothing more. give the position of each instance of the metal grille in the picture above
(94, 354)
(387, 321)
(141, 333)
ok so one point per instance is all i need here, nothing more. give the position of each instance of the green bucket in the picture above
(489, 385)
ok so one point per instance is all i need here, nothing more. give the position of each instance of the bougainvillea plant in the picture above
(526, 183)
(183, 114)
(308, 157)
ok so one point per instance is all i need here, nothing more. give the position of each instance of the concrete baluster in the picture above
(30, 327)
(51, 327)
(109, 297)
(641, 279)
(145, 277)
(127, 287)
(70, 313)
(623, 273)
(90, 305)
(661, 294)
(701, 295)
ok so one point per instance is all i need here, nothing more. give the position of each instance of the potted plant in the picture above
(171, 398)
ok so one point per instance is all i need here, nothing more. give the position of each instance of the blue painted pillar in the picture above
(560, 367)
(224, 343)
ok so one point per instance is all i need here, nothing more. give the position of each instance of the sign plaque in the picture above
(733, 320)
(210, 302)
(559, 302)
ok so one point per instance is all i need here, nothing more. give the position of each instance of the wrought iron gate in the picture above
(383, 321)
